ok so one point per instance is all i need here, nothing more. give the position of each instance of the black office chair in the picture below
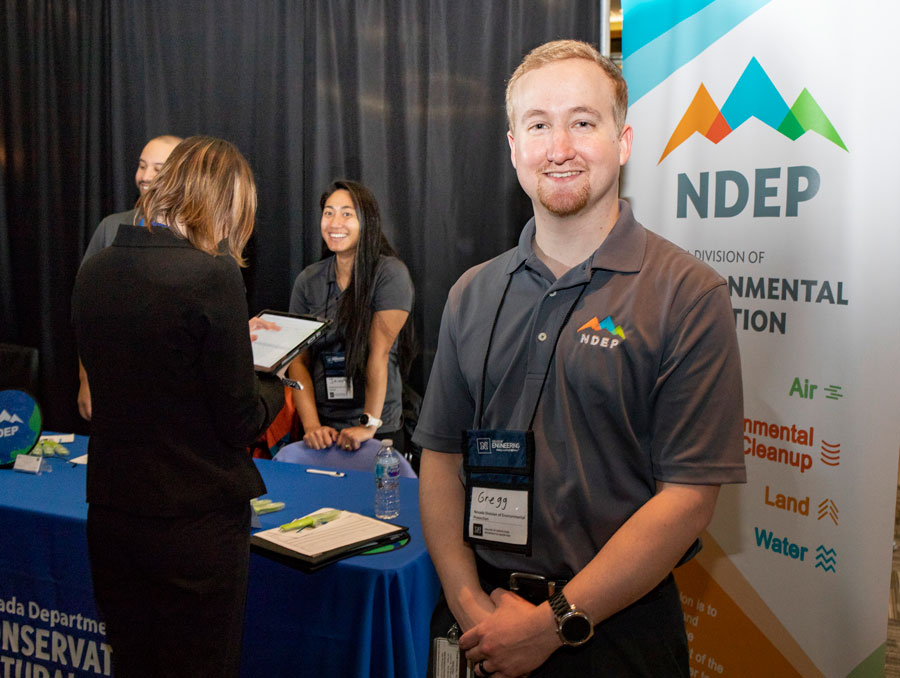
(19, 368)
(412, 408)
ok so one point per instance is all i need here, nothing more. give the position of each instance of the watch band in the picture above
(573, 626)
(559, 605)
(292, 383)
(369, 421)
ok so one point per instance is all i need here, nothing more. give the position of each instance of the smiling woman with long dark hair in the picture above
(161, 323)
(352, 377)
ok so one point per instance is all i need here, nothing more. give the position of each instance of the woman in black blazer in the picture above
(161, 323)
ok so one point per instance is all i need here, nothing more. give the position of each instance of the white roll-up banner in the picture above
(766, 143)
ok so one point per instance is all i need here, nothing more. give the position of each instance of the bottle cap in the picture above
(387, 442)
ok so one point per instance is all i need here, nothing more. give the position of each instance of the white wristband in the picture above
(369, 421)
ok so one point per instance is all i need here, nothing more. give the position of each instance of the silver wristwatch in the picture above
(573, 626)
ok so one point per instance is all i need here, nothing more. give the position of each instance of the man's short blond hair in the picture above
(558, 50)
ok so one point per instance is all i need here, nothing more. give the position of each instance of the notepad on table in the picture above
(349, 534)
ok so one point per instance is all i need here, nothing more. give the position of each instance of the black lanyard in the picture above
(552, 353)
(337, 297)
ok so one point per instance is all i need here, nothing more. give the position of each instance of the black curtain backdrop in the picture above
(405, 95)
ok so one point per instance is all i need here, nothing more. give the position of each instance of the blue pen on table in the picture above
(311, 521)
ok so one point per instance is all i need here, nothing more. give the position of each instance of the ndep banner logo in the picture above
(754, 96)
(20, 424)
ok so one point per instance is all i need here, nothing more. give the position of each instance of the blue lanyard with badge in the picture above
(499, 467)
(337, 384)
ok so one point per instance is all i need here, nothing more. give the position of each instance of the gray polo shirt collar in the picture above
(330, 275)
(333, 292)
(622, 251)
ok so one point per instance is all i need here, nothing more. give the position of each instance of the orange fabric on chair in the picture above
(285, 425)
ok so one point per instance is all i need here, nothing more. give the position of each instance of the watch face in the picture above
(576, 628)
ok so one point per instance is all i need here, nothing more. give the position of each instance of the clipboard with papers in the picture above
(318, 545)
(273, 348)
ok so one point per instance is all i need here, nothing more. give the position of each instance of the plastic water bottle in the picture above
(387, 481)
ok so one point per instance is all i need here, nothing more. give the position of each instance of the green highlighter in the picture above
(262, 506)
(311, 521)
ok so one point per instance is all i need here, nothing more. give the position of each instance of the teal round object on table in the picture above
(20, 424)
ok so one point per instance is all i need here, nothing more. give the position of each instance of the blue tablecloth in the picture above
(334, 457)
(365, 616)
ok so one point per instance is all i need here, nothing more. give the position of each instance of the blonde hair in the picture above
(206, 192)
(571, 49)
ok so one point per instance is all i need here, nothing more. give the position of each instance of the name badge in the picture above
(337, 385)
(27, 463)
(499, 514)
(499, 467)
(448, 661)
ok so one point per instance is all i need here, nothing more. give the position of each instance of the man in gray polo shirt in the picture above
(618, 351)
(153, 156)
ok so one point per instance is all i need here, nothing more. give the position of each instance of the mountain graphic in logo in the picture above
(607, 324)
(11, 418)
(754, 96)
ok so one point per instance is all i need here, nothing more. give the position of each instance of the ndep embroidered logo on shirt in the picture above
(604, 333)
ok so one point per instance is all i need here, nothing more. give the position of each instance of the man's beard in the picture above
(563, 202)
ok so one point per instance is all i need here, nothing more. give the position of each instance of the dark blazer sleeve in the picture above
(242, 404)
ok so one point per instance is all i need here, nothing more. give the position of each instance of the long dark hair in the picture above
(354, 312)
